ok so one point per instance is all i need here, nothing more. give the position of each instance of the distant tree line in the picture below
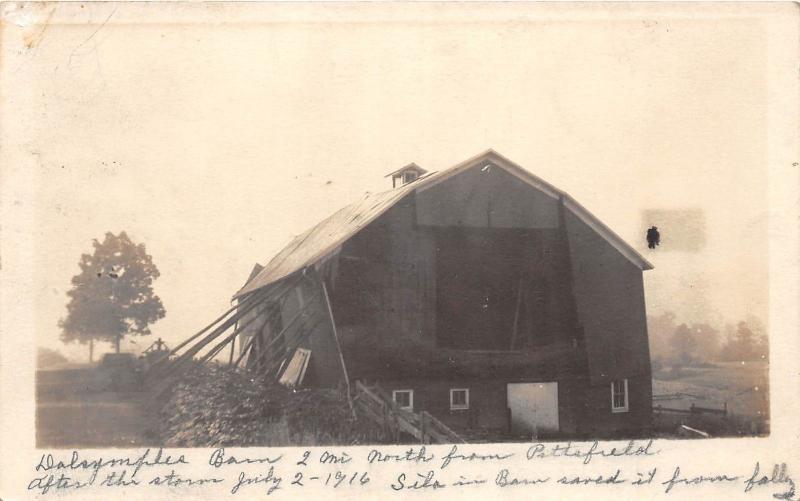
(682, 344)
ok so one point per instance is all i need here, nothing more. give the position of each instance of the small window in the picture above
(404, 398)
(459, 399)
(619, 395)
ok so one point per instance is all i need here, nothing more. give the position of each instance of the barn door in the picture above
(534, 408)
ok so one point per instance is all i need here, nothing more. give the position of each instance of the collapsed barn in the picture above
(480, 298)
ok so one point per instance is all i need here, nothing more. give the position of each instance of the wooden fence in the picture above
(376, 404)
(693, 409)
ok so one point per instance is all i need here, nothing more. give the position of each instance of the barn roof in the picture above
(324, 238)
(255, 271)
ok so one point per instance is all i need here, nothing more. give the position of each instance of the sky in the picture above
(213, 136)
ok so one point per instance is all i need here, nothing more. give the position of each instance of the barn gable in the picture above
(485, 196)
(325, 238)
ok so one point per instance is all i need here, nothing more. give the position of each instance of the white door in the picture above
(534, 407)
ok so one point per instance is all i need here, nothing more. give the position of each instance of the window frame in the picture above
(410, 392)
(465, 406)
(625, 407)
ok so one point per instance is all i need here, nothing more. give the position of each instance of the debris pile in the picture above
(214, 405)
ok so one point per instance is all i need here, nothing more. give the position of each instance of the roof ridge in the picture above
(373, 205)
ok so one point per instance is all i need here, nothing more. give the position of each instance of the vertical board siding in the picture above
(610, 297)
(324, 368)
(479, 198)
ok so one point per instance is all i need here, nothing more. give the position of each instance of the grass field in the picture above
(69, 414)
(742, 387)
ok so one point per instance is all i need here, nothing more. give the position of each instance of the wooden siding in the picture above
(487, 410)
(479, 199)
(368, 359)
(490, 280)
(393, 280)
(426, 272)
(586, 409)
(609, 295)
(385, 281)
(324, 368)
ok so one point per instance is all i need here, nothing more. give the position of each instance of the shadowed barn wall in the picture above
(441, 272)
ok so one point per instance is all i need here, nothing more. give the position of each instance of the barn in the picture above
(480, 295)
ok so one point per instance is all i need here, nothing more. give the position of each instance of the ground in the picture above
(70, 413)
(74, 411)
(742, 387)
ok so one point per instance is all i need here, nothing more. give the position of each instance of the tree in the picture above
(112, 296)
(762, 347)
(660, 329)
(743, 344)
(706, 339)
(683, 345)
(762, 340)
